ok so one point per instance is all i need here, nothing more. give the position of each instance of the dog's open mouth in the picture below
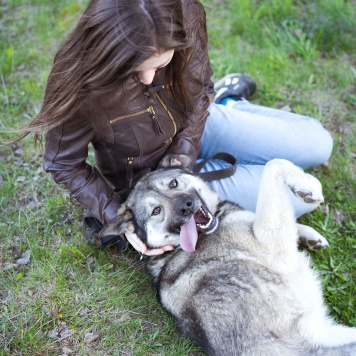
(205, 221)
(201, 221)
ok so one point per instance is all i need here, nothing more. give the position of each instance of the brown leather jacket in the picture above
(131, 129)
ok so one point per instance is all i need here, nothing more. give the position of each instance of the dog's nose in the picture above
(186, 207)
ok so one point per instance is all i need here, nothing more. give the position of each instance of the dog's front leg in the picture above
(275, 226)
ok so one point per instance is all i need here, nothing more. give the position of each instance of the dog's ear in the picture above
(120, 224)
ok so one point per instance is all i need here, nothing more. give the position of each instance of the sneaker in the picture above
(234, 86)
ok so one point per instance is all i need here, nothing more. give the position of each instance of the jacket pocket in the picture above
(149, 110)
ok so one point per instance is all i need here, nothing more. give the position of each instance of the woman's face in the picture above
(147, 69)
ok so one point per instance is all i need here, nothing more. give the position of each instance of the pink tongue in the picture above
(188, 236)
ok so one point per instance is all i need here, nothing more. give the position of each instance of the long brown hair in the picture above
(111, 39)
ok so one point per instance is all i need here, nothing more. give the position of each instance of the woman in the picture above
(134, 80)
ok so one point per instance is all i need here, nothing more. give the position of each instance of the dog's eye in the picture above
(156, 211)
(173, 183)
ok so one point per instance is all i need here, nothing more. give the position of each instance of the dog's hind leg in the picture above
(275, 225)
(310, 238)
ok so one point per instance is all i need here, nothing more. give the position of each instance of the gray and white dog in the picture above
(242, 287)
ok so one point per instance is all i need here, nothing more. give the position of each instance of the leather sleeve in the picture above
(187, 141)
(65, 157)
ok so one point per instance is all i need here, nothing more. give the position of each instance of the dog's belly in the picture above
(219, 299)
(225, 287)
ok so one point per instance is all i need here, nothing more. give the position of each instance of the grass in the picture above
(302, 54)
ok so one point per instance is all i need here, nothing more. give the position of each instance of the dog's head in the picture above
(167, 207)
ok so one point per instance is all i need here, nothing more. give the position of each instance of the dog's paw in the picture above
(310, 238)
(309, 191)
(313, 244)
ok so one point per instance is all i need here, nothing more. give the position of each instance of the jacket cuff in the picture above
(110, 211)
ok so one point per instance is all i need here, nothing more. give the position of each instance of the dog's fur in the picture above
(246, 290)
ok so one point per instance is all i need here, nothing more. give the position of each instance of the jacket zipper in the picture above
(169, 114)
(154, 118)
(130, 115)
(149, 110)
(129, 172)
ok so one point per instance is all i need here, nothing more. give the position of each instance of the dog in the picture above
(236, 284)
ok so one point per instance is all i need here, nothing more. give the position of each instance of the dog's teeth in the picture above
(202, 211)
(208, 223)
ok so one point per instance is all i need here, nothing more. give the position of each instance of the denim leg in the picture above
(254, 135)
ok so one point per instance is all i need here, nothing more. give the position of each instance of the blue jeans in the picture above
(255, 134)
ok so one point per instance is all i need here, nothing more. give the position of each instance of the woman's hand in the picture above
(139, 246)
